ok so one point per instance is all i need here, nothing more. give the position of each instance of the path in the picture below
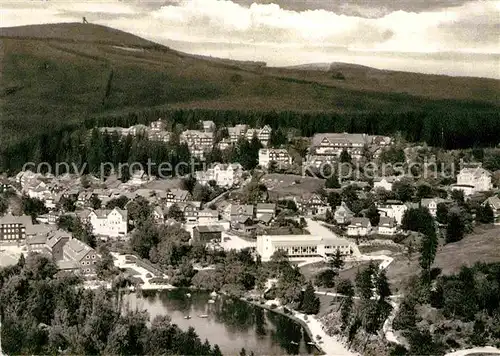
(475, 350)
(121, 262)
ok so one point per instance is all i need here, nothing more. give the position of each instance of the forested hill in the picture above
(60, 75)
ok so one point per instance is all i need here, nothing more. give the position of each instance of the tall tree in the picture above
(310, 302)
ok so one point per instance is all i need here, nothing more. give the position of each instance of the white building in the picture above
(343, 214)
(278, 155)
(109, 223)
(207, 217)
(198, 142)
(387, 226)
(432, 204)
(473, 180)
(224, 175)
(359, 227)
(494, 203)
(392, 209)
(332, 144)
(384, 183)
(303, 246)
(263, 134)
(208, 126)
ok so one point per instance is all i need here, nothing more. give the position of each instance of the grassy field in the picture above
(481, 246)
(64, 73)
(285, 185)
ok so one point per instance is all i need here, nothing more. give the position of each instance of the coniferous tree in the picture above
(310, 302)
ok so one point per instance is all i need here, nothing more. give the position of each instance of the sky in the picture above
(454, 37)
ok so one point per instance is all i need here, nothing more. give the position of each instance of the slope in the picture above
(57, 74)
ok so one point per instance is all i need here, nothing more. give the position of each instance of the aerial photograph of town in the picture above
(250, 177)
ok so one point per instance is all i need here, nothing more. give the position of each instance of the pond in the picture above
(231, 323)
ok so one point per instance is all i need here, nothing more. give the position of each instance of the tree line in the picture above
(447, 129)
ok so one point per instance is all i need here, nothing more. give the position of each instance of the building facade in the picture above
(14, 228)
(109, 223)
(278, 155)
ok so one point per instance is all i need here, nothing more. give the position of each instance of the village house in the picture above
(207, 233)
(312, 204)
(208, 126)
(343, 214)
(384, 183)
(432, 203)
(392, 209)
(190, 211)
(472, 180)
(359, 227)
(14, 228)
(177, 196)
(198, 142)
(278, 155)
(49, 218)
(494, 203)
(234, 211)
(158, 125)
(236, 132)
(109, 223)
(224, 175)
(36, 244)
(161, 136)
(263, 209)
(55, 244)
(208, 217)
(81, 255)
(387, 226)
(263, 134)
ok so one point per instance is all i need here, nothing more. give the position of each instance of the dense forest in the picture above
(452, 129)
(46, 312)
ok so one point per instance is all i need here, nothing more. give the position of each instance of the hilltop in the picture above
(64, 73)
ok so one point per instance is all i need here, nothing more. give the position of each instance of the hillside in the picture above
(64, 73)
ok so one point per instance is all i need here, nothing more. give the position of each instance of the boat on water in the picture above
(203, 316)
(213, 294)
(211, 301)
(187, 317)
(188, 295)
(294, 343)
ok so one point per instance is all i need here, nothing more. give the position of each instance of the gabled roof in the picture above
(343, 209)
(242, 209)
(36, 239)
(209, 228)
(266, 218)
(57, 236)
(360, 222)
(387, 222)
(475, 171)
(494, 202)
(266, 206)
(427, 201)
(345, 138)
(11, 219)
(76, 250)
(180, 194)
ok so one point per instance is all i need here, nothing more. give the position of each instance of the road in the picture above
(476, 350)
(317, 229)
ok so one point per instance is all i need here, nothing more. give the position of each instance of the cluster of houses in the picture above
(67, 252)
(327, 147)
(200, 141)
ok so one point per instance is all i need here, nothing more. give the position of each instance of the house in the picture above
(472, 180)
(158, 215)
(177, 196)
(359, 227)
(49, 218)
(207, 233)
(190, 211)
(265, 209)
(55, 244)
(303, 246)
(158, 125)
(208, 217)
(236, 132)
(278, 155)
(208, 126)
(198, 142)
(233, 212)
(263, 134)
(387, 226)
(14, 228)
(109, 223)
(392, 209)
(384, 182)
(432, 203)
(243, 224)
(494, 203)
(312, 204)
(224, 175)
(139, 177)
(161, 136)
(81, 254)
(36, 243)
(343, 214)
(332, 144)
